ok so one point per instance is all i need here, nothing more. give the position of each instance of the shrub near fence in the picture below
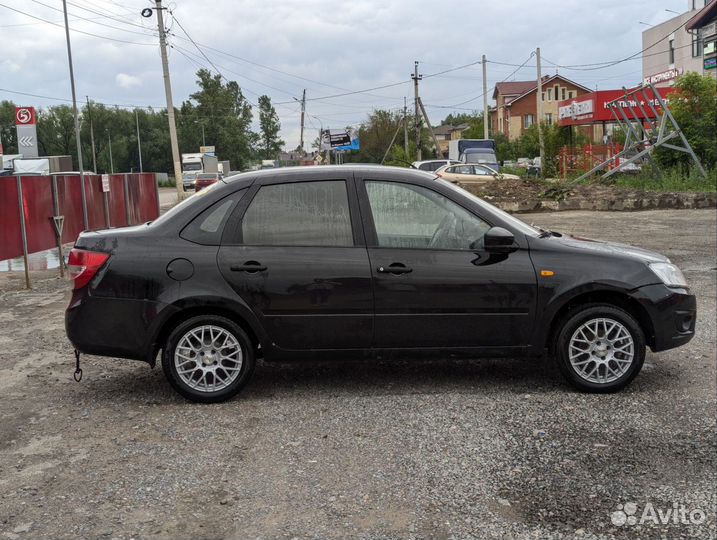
(132, 199)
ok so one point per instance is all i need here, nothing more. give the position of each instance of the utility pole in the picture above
(92, 135)
(405, 128)
(539, 97)
(112, 163)
(170, 105)
(439, 155)
(416, 77)
(303, 111)
(485, 99)
(77, 119)
(139, 143)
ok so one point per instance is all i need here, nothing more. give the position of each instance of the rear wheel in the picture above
(600, 348)
(208, 358)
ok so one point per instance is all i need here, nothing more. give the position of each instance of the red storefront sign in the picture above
(592, 108)
(25, 116)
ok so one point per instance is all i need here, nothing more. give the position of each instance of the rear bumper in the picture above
(114, 327)
(672, 312)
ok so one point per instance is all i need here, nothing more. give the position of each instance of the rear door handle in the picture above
(395, 268)
(250, 267)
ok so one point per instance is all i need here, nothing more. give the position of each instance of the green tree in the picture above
(694, 106)
(226, 116)
(269, 126)
(8, 134)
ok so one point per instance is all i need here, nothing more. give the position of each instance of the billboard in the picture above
(592, 108)
(341, 139)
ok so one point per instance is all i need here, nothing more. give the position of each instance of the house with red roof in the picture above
(516, 106)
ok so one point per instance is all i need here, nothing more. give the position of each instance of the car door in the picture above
(434, 284)
(294, 253)
(482, 174)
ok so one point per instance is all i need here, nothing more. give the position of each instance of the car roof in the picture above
(324, 170)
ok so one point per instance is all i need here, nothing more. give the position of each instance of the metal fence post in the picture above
(126, 198)
(23, 231)
(156, 190)
(57, 228)
(106, 201)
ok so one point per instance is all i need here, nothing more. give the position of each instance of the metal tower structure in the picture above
(648, 124)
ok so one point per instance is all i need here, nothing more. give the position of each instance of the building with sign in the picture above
(591, 115)
(516, 108)
(704, 26)
(672, 48)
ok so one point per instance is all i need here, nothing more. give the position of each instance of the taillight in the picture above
(82, 265)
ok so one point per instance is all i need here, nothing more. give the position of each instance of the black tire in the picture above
(574, 320)
(231, 389)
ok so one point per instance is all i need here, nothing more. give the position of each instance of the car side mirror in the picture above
(499, 240)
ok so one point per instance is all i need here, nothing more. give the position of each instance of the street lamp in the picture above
(673, 11)
(646, 24)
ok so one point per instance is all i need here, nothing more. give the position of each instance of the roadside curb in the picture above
(647, 201)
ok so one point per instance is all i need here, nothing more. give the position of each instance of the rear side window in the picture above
(299, 214)
(207, 227)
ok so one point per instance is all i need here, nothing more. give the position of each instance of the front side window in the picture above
(480, 169)
(408, 216)
(299, 214)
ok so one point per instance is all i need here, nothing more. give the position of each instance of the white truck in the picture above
(194, 164)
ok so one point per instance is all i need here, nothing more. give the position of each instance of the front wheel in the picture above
(208, 358)
(599, 348)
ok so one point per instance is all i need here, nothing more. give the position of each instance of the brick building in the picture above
(516, 108)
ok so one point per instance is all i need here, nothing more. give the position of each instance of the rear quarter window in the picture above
(207, 227)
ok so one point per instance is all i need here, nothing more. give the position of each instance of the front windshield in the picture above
(512, 220)
(477, 157)
(192, 166)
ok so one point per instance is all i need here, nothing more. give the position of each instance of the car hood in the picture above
(610, 248)
(509, 176)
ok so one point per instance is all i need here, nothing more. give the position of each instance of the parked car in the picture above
(472, 174)
(206, 179)
(432, 164)
(482, 156)
(353, 261)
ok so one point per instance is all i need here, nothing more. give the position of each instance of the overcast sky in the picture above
(280, 47)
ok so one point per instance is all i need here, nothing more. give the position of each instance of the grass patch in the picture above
(674, 179)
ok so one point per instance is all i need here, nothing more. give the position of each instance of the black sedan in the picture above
(347, 261)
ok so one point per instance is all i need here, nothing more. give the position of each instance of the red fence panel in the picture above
(132, 196)
(38, 210)
(69, 194)
(95, 202)
(118, 208)
(10, 235)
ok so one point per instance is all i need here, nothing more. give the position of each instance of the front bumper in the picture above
(673, 315)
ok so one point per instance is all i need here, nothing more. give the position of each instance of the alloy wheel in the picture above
(601, 350)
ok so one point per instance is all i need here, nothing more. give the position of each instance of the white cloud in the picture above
(127, 81)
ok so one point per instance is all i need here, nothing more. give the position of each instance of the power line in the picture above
(95, 22)
(75, 29)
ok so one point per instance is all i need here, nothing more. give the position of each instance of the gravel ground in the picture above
(425, 449)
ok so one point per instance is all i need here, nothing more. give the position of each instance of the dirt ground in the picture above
(490, 449)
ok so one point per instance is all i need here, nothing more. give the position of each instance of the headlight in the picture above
(669, 274)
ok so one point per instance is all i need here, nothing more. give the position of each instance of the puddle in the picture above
(42, 260)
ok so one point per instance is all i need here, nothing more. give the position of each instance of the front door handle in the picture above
(395, 269)
(250, 267)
